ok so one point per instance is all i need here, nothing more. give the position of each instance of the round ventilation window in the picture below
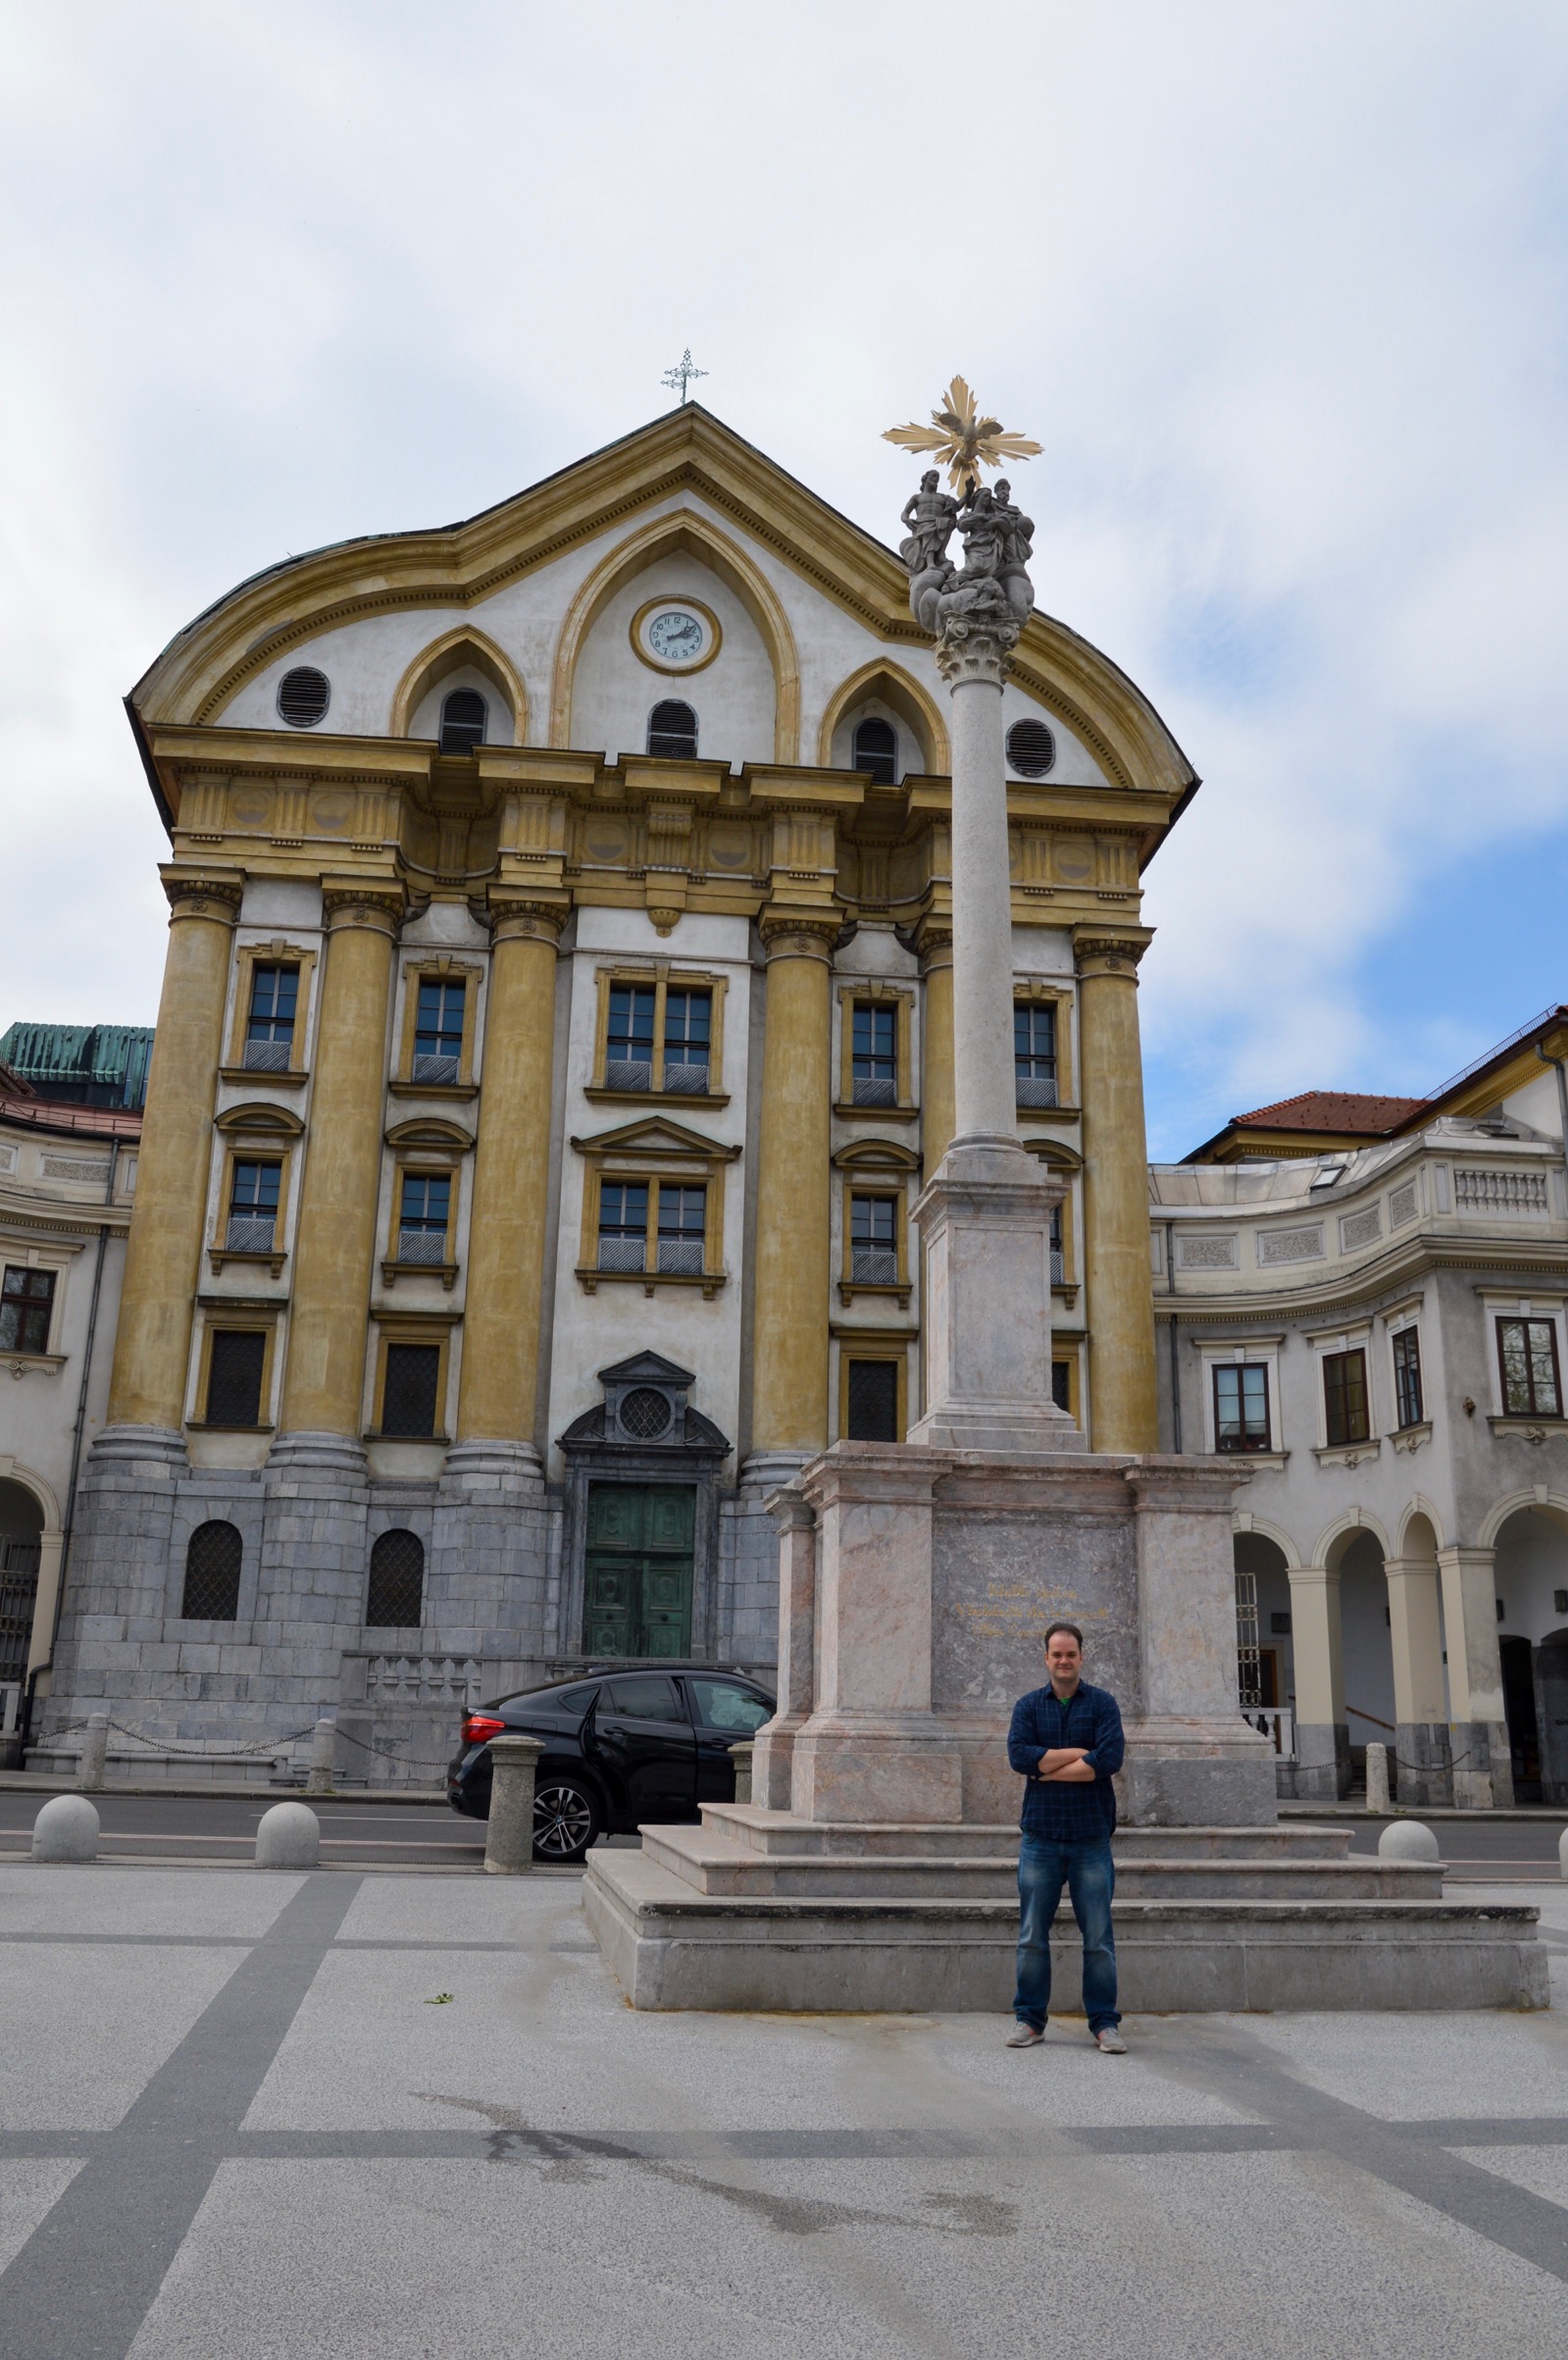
(303, 696)
(644, 1414)
(1031, 748)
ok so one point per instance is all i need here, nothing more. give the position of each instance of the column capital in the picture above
(977, 647)
(933, 942)
(202, 894)
(799, 934)
(521, 918)
(1109, 954)
(377, 906)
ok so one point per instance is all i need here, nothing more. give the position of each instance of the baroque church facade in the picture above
(555, 1034)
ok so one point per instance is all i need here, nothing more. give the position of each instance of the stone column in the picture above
(1477, 1725)
(1123, 1412)
(936, 1044)
(985, 1216)
(796, 1519)
(509, 1837)
(334, 1235)
(1419, 1710)
(1322, 1733)
(163, 1258)
(793, 1272)
(505, 1279)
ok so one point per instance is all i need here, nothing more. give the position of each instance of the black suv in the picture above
(621, 1748)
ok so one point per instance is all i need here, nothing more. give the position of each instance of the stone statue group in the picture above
(993, 585)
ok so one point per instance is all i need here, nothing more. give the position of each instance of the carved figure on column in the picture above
(987, 600)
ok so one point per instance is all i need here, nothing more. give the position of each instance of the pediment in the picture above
(647, 1368)
(655, 1135)
(261, 1119)
(428, 1131)
(877, 1156)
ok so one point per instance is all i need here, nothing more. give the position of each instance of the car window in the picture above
(647, 1696)
(572, 1702)
(722, 1705)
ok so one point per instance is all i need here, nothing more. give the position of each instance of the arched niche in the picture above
(691, 536)
(462, 658)
(885, 691)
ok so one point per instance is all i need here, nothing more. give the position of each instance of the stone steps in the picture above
(753, 1827)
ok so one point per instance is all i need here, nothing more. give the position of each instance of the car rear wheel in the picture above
(565, 1819)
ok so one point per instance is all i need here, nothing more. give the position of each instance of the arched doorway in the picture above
(1531, 1572)
(1368, 1650)
(21, 1548)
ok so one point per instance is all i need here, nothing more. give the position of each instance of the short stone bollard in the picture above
(741, 1756)
(322, 1754)
(65, 1828)
(509, 1842)
(1407, 1839)
(94, 1752)
(288, 1837)
(1378, 1780)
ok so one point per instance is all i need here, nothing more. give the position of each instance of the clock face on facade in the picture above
(675, 635)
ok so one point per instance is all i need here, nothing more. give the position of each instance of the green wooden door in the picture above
(636, 1587)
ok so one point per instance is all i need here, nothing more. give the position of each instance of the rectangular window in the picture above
(1035, 1054)
(270, 1028)
(1345, 1396)
(234, 1377)
(683, 1226)
(1062, 1385)
(25, 1307)
(624, 1225)
(1408, 1375)
(628, 1043)
(687, 1028)
(1242, 1406)
(408, 1395)
(875, 1055)
(253, 1193)
(438, 1031)
(423, 1216)
(1528, 1352)
(874, 1241)
(1058, 1265)
(872, 1403)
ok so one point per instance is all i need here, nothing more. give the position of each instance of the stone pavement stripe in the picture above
(71, 1940)
(83, 2284)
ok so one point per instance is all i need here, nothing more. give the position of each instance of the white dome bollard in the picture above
(1407, 1839)
(288, 1837)
(65, 1828)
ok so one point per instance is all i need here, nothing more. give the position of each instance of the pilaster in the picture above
(1322, 1733)
(1478, 1724)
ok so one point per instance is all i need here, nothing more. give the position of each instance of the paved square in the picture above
(236, 2120)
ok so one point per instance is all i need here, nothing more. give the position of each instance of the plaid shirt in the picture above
(1075, 1813)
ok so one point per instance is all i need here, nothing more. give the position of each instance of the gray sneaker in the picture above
(1110, 2042)
(1024, 2037)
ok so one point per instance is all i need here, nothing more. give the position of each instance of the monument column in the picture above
(505, 1286)
(334, 1235)
(794, 1174)
(162, 1257)
(1123, 1410)
(1477, 1725)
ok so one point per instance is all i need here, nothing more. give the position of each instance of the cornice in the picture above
(1398, 1270)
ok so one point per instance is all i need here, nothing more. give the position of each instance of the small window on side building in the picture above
(1347, 1416)
(874, 1054)
(27, 1307)
(1407, 1376)
(1240, 1407)
(270, 1027)
(438, 1032)
(1035, 1053)
(1527, 1351)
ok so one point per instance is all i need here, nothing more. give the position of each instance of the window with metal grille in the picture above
(27, 1307)
(876, 752)
(673, 730)
(874, 1054)
(1062, 1385)
(1345, 1396)
(214, 1555)
(687, 1025)
(303, 696)
(683, 1225)
(463, 715)
(438, 1031)
(19, 1595)
(423, 1216)
(628, 1040)
(645, 1414)
(873, 1404)
(408, 1393)
(1242, 1406)
(394, 1596)
(624, 1225)
(253, 1191)
(1528, 1352)
(1035, 1054)
(1408, 1375)
(1058, 1264)
(270, 1028)
(874, 1241)
(1031, 748)
(234, 1376)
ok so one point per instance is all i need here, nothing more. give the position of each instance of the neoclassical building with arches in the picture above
(556, 1030)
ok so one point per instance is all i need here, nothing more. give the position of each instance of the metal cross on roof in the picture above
(676, 378)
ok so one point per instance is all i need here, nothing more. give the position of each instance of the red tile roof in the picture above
(1354, 1111)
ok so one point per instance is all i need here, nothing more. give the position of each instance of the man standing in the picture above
(1066, 1742)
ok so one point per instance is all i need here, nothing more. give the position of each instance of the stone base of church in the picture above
(756, 1909)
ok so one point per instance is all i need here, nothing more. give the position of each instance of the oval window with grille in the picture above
(644, 1414)
(1031, 748)
(303, 696)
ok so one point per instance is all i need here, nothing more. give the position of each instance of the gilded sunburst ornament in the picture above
(961, 438)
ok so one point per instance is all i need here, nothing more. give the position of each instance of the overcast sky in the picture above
(1280, 288)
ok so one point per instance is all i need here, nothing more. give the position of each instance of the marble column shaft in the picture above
(985, 1075)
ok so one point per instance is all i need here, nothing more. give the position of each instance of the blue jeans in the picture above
(1043, 1867)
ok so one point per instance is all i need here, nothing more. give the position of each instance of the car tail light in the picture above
(479, 1727)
